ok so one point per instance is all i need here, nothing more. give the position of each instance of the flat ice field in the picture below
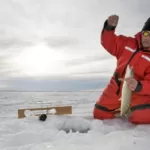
(65, 132)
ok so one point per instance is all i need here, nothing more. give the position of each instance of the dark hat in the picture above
(147, 25)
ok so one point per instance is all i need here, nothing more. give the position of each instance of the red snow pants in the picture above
(108, 102)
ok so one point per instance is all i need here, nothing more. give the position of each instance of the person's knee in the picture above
(140, 116)
(100, 114)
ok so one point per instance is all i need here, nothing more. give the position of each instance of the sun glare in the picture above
(40, 60)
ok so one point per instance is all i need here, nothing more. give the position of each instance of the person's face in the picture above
(146, 39)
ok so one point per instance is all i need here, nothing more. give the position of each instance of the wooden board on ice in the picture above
(47, 110)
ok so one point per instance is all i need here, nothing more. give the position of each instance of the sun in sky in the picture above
(40, 60)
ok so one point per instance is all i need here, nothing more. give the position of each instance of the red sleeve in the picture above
(145, 90)
(112, 43)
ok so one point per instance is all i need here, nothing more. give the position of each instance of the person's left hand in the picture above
(131, 82)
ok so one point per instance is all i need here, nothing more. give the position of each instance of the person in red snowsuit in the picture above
(132, 51)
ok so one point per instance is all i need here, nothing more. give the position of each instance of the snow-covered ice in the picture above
(65, 132)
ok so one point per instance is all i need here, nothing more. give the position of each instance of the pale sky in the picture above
(44, 40)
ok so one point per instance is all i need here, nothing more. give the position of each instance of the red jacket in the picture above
(122, 48)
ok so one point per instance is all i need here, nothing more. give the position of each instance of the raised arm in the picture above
(110, 41)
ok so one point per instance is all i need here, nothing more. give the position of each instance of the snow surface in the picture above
(65, 132)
